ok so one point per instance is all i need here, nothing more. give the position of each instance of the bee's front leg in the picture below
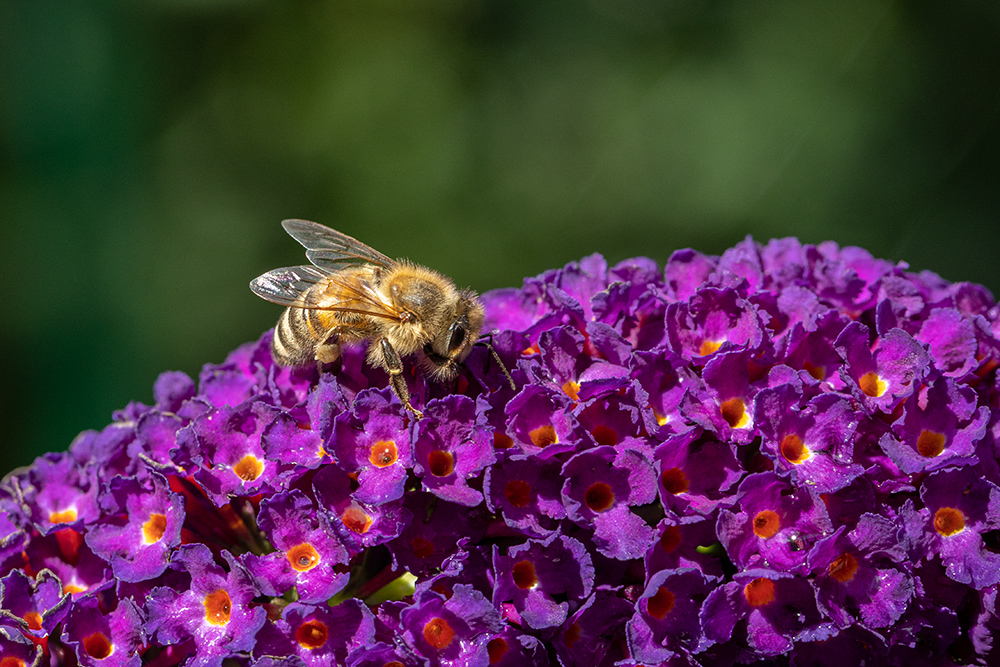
(394, 365)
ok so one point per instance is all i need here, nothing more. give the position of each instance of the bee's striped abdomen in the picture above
(294, 341)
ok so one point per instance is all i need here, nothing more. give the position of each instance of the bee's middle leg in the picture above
(395, 367)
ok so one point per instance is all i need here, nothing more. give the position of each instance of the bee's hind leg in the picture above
(394, 365)
(328, 352)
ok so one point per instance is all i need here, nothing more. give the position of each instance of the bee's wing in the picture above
(288, 286)
(292, 286)
(332, 250)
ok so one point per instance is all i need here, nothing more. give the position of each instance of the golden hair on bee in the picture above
(352, 293)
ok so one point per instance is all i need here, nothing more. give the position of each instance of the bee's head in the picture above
(455, 338)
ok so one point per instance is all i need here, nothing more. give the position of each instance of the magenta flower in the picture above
(140, 528)
(104, 639)
(214, 617)
(318, 635)
(309, 557)
(787, 454)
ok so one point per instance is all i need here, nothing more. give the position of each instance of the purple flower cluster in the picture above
(788, 454)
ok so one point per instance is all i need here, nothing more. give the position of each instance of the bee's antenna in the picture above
(487, 340)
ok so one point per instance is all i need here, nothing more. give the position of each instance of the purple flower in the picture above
(775, 525)
(535, 576)
(951, 340)
(541, 422)
(591, 635)
(359, 525)
(17, 648)
(667, 620)
(960, 508)
(696, 473)
(453, 444)
(373, 442)
(452, 631)
(317, 634)
(602, 484)
(684, 543)
(860, 576)
(813, 442)
(712, 319)
(777, 608)
(60, 493)
(658, 386)
(214, 613)
(527, 494)
(309, 555)
(141, 526)
(882, 374)
(104, 640)
(37, 605)
(724, 404)
(232, 460)
(512, 648)
(940, 426)
(786, 454)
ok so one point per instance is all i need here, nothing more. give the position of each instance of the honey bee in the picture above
(353, 293)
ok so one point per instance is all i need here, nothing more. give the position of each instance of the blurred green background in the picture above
(148, 151)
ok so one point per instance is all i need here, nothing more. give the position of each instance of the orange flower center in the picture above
(599, 497)
(818, 372)
(34, 620)
(302, 557)
(440, 463)
(438, 633)
(572, 389)
(708, 347)
(524, 574)
(312, 634)
(872, 384)
(422, 547)
(572, 635)
(605, 435)
(65, 516)
(249, 468)
(930, 444)
(218, 607)
(154, 528)
(517, 492)
(383, 454)
(674, 481)
(543, 436)
(496, 648)
(759, 592)
(671, 538)
(793, 449)
(948, 521)
(734, 411)
(766, 524)
(844, 568)
(356, 519)
(97, 646)
(660, 604)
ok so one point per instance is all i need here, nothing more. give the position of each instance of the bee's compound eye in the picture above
(457, 337)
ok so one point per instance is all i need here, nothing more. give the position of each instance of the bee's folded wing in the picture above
(288, 286)
(313, 288)
(332, 250)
